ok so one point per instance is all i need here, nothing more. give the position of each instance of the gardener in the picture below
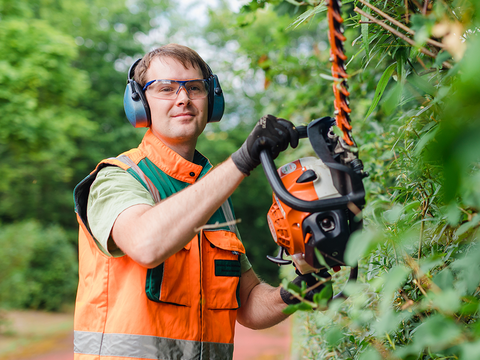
(163, 274)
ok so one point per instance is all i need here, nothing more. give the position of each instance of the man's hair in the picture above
(186, 56)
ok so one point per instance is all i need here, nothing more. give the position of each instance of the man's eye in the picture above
(165, 89)
(196, 87)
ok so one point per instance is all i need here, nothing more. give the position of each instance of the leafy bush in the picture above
(417, 296)
(38, 267)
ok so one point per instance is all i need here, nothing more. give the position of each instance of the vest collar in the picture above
(172, 163)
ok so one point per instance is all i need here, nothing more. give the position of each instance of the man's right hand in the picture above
(270, 133)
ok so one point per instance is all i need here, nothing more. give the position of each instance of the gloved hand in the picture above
(270, 133)
(310, 281)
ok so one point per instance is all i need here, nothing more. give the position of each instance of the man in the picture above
(156, 282)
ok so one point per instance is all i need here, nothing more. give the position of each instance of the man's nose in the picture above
(182, 95)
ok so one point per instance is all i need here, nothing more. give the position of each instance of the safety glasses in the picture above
(169, 89)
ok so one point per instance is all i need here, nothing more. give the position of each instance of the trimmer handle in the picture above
(302, 131)
(299, 204)
(313, 132)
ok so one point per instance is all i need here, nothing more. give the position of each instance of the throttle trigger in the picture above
(279, 260)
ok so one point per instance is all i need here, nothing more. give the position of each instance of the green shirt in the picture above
(113, 191)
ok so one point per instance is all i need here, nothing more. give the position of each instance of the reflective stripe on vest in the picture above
(147, 347)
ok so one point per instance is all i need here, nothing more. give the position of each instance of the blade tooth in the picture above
(340, 36)
(337, 16)
(338, 72)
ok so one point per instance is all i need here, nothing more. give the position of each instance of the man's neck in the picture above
(183, 148)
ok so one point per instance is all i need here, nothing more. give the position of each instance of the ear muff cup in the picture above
(137, 109)
(136, 106)
(216, 101)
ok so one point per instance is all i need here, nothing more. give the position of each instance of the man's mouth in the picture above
(181, 115)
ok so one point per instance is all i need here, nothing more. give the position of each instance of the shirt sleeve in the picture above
(113, 191)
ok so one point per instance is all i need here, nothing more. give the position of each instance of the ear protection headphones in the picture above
(137, 109)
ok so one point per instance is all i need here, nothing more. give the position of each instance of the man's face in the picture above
(179, 120)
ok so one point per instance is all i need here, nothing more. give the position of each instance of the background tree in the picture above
(62, 80)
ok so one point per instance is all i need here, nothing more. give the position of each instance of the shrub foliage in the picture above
(38, 267)
(414, 94)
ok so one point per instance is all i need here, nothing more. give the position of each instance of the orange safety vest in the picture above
(183, 309)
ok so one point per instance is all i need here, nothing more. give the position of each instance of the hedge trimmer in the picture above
(317, 201)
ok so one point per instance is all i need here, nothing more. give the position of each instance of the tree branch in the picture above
(399, 24)
(400, 35)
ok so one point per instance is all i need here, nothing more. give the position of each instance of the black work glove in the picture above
(310, 281)
(270, 133)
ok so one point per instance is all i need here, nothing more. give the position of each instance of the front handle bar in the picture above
(302, 205)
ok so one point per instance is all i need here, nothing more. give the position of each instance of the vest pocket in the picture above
(222, 271)
(170, 281)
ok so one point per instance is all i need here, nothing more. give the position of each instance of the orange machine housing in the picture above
(286, 223)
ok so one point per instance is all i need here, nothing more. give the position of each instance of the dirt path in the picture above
(47, 336)
(269, 344)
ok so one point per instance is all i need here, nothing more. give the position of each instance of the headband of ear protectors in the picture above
(138, 111)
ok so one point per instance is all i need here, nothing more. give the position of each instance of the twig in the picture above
(422, 290)
(307, 290)
(422, 227)
(406, 11)
(319, 282)
(469, 216)
(390, 340)
(408, 302)
(217, 225)
(425, 7)
(354, 209)
(421, 63)
(399, 24)
(400, 35)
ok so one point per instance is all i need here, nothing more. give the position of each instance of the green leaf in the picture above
(382, 84)
(390, 321)
(308, 14)
(334, 335)
(287, 285)
(453, 213)
(392, 282)
(468, 225)
(420, 83)
(324, 295)
(468, 268)
(364, 27)
(470, 351)
(321, 259)
(360, 244)
(444, 279)
(470, 306)
(437, 332)
(290, 309)
(447, 301)
(441, 58)
(424, 140)
(303, 306)
(391, 216)
(392, 99)
(370, 354)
